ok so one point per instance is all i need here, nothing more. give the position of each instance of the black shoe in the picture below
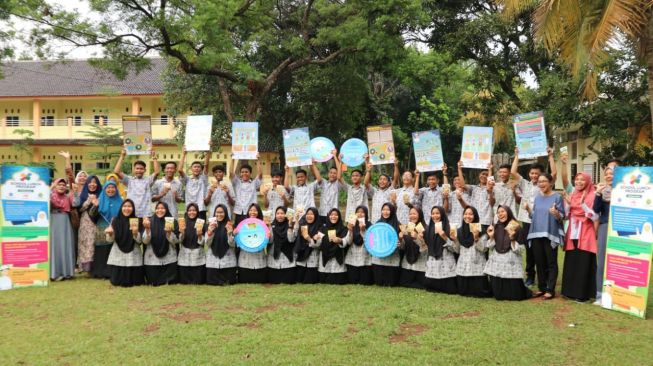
(529, 282)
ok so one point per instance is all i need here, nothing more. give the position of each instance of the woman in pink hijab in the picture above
(62, 255)
(579, 271)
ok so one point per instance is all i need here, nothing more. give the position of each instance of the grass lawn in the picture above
(89, 322)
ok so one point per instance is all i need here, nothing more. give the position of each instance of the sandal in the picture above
(548, 296)
(538, 293)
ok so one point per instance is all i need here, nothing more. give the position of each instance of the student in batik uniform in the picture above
(386, 270)
(245, 188)
(252, 267)
(332, 267)
(275, 195)
(139, 187)
(196, 185)
(168, 189)
(429, 196)
(126, 257)
(281, 251)
(221, 254)
(472, 246)
(306, 248)
(160, 255)
(220, 193)
(381, 194)
(413, 264)
(440, 273)
(357, 259)
(192, 258)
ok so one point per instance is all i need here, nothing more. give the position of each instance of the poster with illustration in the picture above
(428, 151)
(244, 140)
(476, 149)
(530, 134)
(198, 133)
(381, 145)
(137, 134)
(24, 226)
(630, 241)
(297, 147)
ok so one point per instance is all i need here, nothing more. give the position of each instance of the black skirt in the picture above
(219, 277)
(579, 275)
(100, 268)
(333, 278)
(411, 279)
(161, 275)
(360, 275)
(127, 276)
(509, 289)
(285, 275)
(445, 285)
(307, 275)
(192, 275)
(246, 275)
(474, 286)
(385, 275)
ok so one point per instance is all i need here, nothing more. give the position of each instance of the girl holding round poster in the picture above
(579, 271)
(107, 209)
(160, 236)
(252, 267)
(357, 259)
(386, 270)
(333, 239)
(413, 265)
(306, 234)
(281, 257)
(192, 258)
(221, 254)
(470, 242)
(440, 273)
(126, 257)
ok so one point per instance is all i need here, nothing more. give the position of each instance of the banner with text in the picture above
(476, 149)
(198, 133)
(428, 151)
(137, 134)
(381, 145)
(244, 140)
(297, 147)
(530, 135)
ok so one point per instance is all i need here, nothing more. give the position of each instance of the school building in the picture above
(57, 101)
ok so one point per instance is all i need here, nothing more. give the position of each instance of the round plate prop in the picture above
(253, 235)
(381, 240)
(353, 152)
(321, 149)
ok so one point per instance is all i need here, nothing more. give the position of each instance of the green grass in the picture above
(89, 322)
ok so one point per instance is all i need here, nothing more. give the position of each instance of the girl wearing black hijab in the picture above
(333, 240)
(505, 264)
(221, 254)
(253, 267)
(192, 258)
(357, 259)
(440, 273)
(126, 258)
(306, 235)
(160, 254)
(413, 264)
(471, 243)
(386, 270)
(281, 251)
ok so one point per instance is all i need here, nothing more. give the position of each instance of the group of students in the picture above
(466, 239)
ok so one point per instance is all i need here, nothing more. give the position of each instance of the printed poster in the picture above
(244, 140)
(198, 133)
(381, 145)
(24, 227)
(297, 147)
(428, 151)
(530, 135)
(476, 149)
(630, 241)
(137, 134)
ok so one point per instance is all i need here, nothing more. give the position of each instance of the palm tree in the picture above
(579, 32)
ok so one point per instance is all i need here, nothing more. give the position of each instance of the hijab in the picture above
(109, 207)
(60, 201)
(411, 248)
(121, 231)
(465, 235)
(501, 238)
(159, 241)
(607, 191)
(576, 208)
(434, 241)
(121, 187)
(190, 234)
(220, 242)
(301, 245)
(280, 236)
(392, 220)
(328, 248)
(86, 191)
(358, 239)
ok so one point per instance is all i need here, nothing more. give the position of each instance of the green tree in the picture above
(105, 138)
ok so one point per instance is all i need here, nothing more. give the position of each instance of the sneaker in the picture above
(597, 302)
(529, 282)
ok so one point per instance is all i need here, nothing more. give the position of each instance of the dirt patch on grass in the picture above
(407, 330)
(467, 314)
(266, 308)
(299, 305)
(151, 328)
(559, 319)
(251, 325)
(188, 317)
(173, 306)
(235, 308)
(351, 330)
(240, 292)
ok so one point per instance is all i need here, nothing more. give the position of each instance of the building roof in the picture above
(75, 78)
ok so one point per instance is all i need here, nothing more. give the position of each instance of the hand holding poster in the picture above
(381, 145)
(353, 152)
(476, 149)
(630, 241)
(530, 135)
(321, 148)
(198, 133)
(428, 151)
(297, 147)
(244, 140)
(137, 134)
